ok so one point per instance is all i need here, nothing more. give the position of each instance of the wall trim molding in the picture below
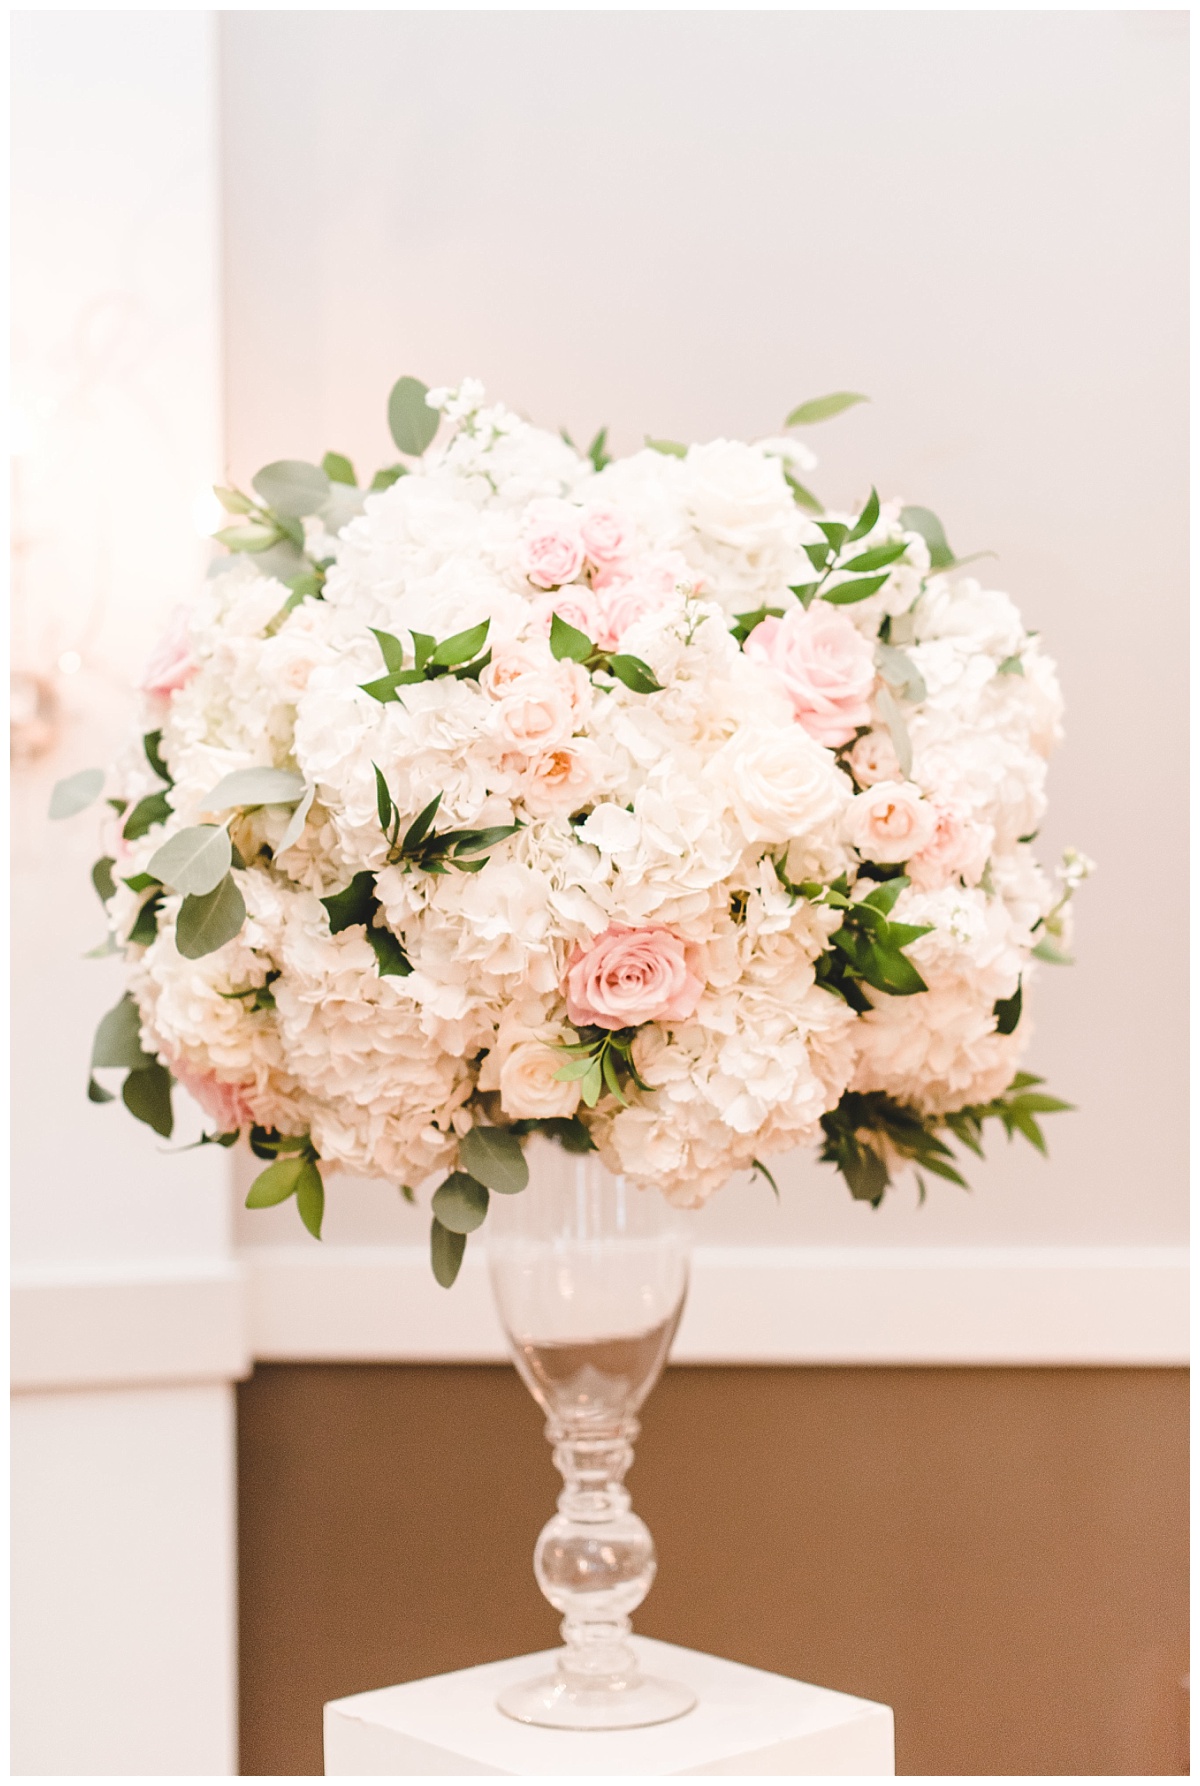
(162, 1321)
(132, 1322)
(761, 1305)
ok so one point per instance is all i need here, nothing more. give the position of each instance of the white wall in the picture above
(684, 223)
(126, 1323)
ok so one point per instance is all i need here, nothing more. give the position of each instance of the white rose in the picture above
(737, 494)
(538, 715)
(890, 822)
(528, 1086)
(781, 784)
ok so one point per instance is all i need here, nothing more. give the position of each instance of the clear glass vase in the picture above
(590, 1275)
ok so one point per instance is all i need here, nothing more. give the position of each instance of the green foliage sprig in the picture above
(462, 656)
(294, 1172)
(869, 946)
(567, 642)
(868, 1132)
(601, 1060)
(434, 852)
(492, 1159)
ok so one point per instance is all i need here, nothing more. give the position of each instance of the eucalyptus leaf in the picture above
(460, 1203)
(446, 1253)
(338, 469)
(118, 1041)
(297, 821)
(292, 488)
(820, 409)
(193, 861)
(495, 1157)
(276, 1184)
(102, 877)
(893, 719)
(255, 787)
(898, 669)
(310, 1196)
(252, 536)
(146, 1094)
(151, 810)
(232, 501)
(413, 424)
(208, 922)
(926, 523)
(75, 793)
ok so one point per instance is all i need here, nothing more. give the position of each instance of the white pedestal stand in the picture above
(746, 1722)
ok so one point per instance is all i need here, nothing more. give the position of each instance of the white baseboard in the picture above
(759, 1305)
(166, 1323)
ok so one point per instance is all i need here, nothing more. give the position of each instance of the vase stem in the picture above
(595, 1559)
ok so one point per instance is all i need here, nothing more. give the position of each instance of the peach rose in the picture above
(825, 665)
(552, 548)
(958, 849)
(171, 662)
(890, 822)
(605, 533)
(528, 1086)
(627, 977)
(560, 780)
(873, 759)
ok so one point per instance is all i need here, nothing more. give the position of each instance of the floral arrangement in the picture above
(642, 802)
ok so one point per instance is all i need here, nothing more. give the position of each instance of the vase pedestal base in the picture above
(744, 1721)
(554, 1702)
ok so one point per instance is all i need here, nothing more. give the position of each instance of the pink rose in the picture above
(626, 977)
(171, 662)
(874, 758)
(227, 1104)
(552, 547)
(826, 666)
(959, 848)
(890, 822)
(577, 606)
(561, 780)
(637, 590)
(605, 534)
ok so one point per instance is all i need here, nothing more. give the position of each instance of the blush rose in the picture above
(825, 665)
(171, 662)
(552, 551)
(631, 976)
(890, 822)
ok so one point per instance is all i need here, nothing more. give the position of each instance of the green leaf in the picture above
(876, 558)
(1019, 1080)
(412, 422)
(592, 1083)
(609, 1068)
(102, 877)
(1022, 1120)
(460, 1203)
(292, 488)
(568, 1131)
(446, 1253)
(900, 935)
(575, 1069)
(210, 921)
(1046, 951)
(596, 452)
(898, 669)
(673, 449)
(383, 689)
(232, 501)
(390, 474)
(152, 745)
(1040, 1101)
(820, 409)
(926, 523)
(295, 825)
(634, 674)
(389, 952)
(567, 641)
(893, 719)
(864, 1172)
(75, 793)
(97, 1094)
(277, 1183)
(818, 556)
(144, 928)
(383, 799)
(840, 595)
(802, 495)
(417, 832)
(804, 592)
(392, 649)
(338, 469)
(835, 534)
(146, 1094)
(495, 1157)
(252, 537)
(867, 520)
(353, 905)
(884, 896)
(757, 1166)
(310, 1196)
(1011, 666)
(193, 861)
(118, 1041)
(424, 646)
(1007, 1012)
(255, 787)
(461, 647)
(152, 809)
